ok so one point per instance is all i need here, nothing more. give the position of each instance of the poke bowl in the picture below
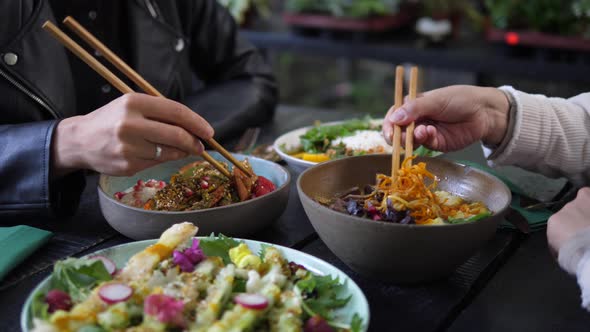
(401, 251)
(239, 218)
(311, 145)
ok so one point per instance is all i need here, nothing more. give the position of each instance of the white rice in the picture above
(369, 141)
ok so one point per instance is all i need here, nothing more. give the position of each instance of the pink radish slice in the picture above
(251, 301)
(113, 293)
(108, 264)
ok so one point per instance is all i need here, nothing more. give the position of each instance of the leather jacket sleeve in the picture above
(238, 81)
(25, 167)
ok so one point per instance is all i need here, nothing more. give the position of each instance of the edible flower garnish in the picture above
(189, 257)
(165, 309)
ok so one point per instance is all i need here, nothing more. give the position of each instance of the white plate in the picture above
(291, 141)
(121, 254)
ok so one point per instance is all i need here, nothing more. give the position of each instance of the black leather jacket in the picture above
(172, 41)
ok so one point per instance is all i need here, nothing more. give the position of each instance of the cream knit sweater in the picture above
(552, 136)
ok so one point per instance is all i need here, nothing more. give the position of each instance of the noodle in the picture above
(411, 200)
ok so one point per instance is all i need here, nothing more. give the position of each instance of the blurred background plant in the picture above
(240, 9)
(346, 8)
(564, 17)
(360, 85)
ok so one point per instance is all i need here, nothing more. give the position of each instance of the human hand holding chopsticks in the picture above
(452, 118)
(123, 87)
(131, 133)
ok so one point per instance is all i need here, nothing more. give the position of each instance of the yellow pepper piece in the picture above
(243, 258)
(315, 157)
(298, 155)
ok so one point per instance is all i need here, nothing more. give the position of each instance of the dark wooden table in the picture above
(512, 284)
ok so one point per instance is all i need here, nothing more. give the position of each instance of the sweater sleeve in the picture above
(574, 257)
(550, 136)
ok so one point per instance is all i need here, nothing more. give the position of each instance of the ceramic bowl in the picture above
(291, 141)
(395, 252)
(120, 255)
(240, 219)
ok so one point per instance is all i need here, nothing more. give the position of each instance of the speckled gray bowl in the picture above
(240, 219)
(394, 252)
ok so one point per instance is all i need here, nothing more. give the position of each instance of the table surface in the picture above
(512, 284)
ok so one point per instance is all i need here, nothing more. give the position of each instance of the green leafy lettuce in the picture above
(75, 276)
(319, 138)
(470, 219)
(321, 295)
(218, 246)
(423, 151)
(78, 276)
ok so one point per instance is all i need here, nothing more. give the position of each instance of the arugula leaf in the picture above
(39, 308)
(218, 246)
(470, 219)
(322, 294)
(356, 324)
(423, 151)
(78, 276)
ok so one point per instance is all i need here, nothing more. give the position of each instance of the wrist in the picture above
(66, 149)
(497, 109)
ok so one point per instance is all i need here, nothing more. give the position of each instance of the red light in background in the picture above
(512, 38)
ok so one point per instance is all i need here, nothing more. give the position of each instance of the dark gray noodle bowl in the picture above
(394, 252)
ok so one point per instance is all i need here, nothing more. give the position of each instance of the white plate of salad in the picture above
(308, 146)
(186, 283)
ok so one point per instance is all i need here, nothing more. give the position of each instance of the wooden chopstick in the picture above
(410, 127)
(134, 76)
(397, 131)
(109, 76)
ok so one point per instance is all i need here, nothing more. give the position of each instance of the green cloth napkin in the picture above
(537, 219)
(17, 243)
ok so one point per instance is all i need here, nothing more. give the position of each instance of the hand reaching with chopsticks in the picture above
(451, 118)
(131, 133)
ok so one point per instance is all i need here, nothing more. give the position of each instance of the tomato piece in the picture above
(263, 186)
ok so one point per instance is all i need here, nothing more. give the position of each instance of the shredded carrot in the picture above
(410, 191)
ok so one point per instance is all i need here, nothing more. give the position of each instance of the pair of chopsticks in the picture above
(130, 73)
(397, 131)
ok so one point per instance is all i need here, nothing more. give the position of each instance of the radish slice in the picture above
(108, 264)
(251, 301)
(113, 293)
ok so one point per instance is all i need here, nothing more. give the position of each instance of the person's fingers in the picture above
(418, 95)
(149, 151)
(420, 134)
(432, 141)
(169, 111)
(173, 136)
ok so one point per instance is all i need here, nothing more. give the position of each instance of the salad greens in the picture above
(321, 295)
(314, 297)
(319, 138)
(316, 143)
(78, 277)
(470, 219)
(423, 151)
(218, 246)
